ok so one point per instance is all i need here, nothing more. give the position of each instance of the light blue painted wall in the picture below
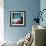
(43, 6)
(30, 6)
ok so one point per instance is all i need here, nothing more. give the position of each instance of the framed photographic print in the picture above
(17, 18)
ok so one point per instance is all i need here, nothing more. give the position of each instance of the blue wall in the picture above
(43, 6)
(30, 6)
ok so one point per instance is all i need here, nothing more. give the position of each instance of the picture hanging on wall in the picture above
(17, 18)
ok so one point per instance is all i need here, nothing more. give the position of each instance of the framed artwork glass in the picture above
(17, 18)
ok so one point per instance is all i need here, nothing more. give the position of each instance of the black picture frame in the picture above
(17, 18)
